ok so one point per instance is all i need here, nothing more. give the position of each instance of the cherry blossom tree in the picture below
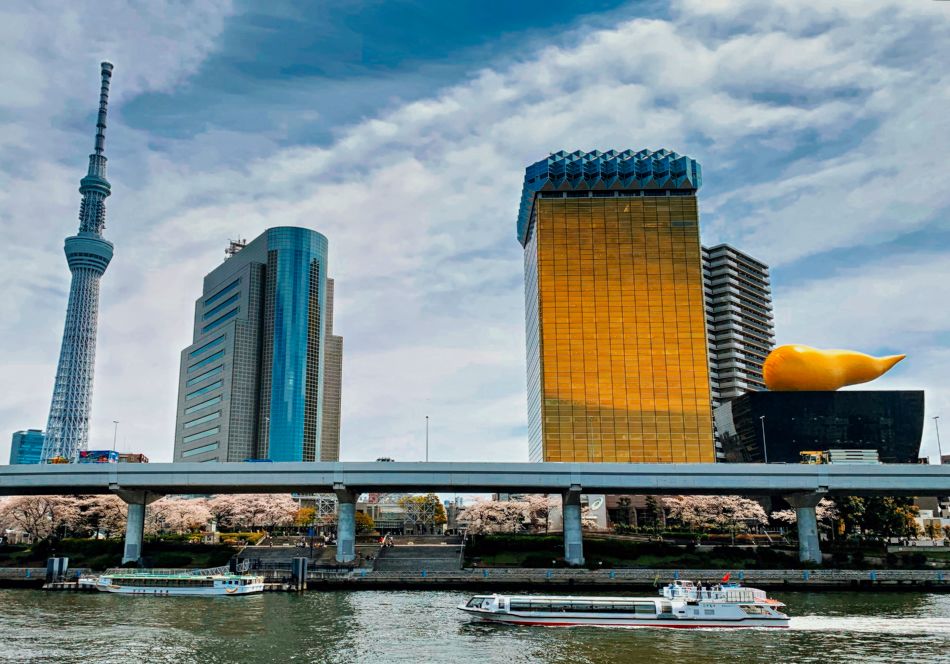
(826, 510)
(102, 514)
(177, 515)
(726, 512)
(39, 517)
(253, 510)
(506, 516)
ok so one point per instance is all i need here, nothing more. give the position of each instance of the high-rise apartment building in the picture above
(332, 384)
(616, 332)
(27, 446)
(738, 321)
(254, 382)
(88, 254)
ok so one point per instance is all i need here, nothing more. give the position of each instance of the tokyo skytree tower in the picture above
(88, 255)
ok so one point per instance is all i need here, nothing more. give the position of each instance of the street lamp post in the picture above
(939, 449)
(427, 438)
(115, 434)
(765, 449)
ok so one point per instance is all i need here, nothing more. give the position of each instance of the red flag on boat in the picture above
(726, 577)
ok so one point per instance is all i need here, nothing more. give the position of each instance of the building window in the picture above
(221, 321)
(211, 344)
(221, 293)
(211, 312)
(200, 450)
(203, 405)
(202, 420)
(205, 362)
(207, 388)
(201, 434)
(206, 375)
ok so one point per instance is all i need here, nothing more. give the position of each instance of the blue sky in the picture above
(401, 131)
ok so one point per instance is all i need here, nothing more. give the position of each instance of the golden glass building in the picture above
(615, 319)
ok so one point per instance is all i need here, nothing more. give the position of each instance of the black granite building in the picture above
(890, 422)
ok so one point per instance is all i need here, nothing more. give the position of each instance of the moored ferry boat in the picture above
(680, 604)
(216, 581)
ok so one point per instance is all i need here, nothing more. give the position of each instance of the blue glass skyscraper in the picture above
(253, 382)
(26, 446)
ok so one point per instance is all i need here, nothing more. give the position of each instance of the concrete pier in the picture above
(808, 543)
(346, 524)
(135, 523)
(573, 533)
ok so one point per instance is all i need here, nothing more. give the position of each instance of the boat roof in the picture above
(571, 598)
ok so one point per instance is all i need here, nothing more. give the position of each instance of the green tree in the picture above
(890, 517)
(364, 522)
(305, 516)
(851, 510)
(654, 513)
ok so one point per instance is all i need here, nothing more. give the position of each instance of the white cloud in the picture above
(420, 202)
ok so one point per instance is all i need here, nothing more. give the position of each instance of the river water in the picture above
(386, 627)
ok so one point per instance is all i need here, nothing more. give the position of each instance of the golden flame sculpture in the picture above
(795, 368)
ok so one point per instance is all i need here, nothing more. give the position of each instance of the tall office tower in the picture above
(253, 382)
(27, 446)
(88, 255)
(616, 334)
(332, 384)
(738, 321)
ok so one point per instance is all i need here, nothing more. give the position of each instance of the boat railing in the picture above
(726, 594)
(168, 571)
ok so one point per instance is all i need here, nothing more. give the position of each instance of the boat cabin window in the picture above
(582, 606)
(479, 602)
(754, 610)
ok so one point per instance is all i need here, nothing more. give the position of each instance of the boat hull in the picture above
(602, 621)
(194, 592)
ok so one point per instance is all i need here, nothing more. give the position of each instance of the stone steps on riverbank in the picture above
(409, 558)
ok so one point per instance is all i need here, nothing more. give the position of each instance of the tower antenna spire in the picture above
(88, 255)
(103, 108)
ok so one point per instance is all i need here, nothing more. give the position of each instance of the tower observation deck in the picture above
(88, 255)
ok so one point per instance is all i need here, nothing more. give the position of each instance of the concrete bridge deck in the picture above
(468, 477)
(802, 485)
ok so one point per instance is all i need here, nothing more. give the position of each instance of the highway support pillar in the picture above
(135, 522)
(345, 524)
(573, 533)
(805, 504)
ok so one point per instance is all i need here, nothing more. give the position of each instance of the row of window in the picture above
(221, 293)
(208, 360)
(211, 312)
(211, 344)
(201, 420)
(206, 375)
(207, 388)
(200, 450)
(221, 321)
(204, 404)
(201, 434)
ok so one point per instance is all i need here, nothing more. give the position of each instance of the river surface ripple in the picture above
(414, 627)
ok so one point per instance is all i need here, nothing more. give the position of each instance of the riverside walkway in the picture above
(802, 486)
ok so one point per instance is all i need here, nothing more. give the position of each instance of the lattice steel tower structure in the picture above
(88, 255)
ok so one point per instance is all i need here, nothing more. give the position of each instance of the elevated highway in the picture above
(802, 485)
(466, 477)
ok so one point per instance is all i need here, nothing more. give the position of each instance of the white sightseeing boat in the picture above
(681, 604)
(217, 581)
